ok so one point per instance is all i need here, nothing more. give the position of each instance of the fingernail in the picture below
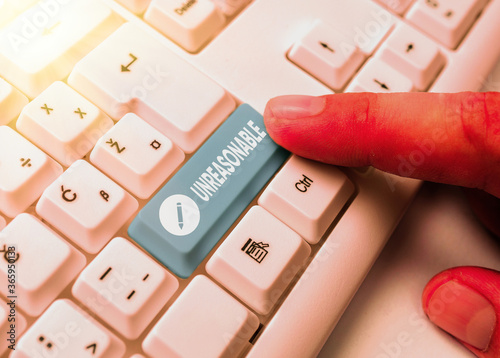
(295, 106)
(464, 313)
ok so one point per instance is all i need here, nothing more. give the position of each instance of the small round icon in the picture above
(179, 215)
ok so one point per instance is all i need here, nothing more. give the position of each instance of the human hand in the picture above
(447, 138)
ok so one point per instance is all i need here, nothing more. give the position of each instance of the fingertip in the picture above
(463, 301)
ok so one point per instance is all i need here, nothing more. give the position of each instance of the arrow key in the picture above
(413, 54)
(377, 76)
(327, 54)
(64, 330)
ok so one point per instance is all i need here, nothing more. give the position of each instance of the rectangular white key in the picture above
(377, 76)
(204, 321)
(44, 263)
(136, 155)
(445, 20)
(398, 6)
(25, 171)
(124, 287)
(86, 206)
(327, 54)
(258, 259)
(42, 45)
(191, 24)
(136, 6)
(63, 123)
(414, 55)
(12, 324)
(307, 195)
(63, 331)
(12, 102)
(133, 72)
(230, 7)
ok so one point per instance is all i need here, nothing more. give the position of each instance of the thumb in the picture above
(447, 138)
(465, 302)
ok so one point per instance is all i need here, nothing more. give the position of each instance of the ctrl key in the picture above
(204, 321)
(66, 331)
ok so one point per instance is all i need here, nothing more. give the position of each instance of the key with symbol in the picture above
(189, 23)
(307, 196)
(65, 330)
(136, 155)
(413, 54)
(327, 54)
(125, 287)
(25, 171)
(44, 266)
(258, 259)
(43, 44)
(213, 187)
(157, 86)
(86, 206)
(445, 20)
(63, 123)
(377, 76)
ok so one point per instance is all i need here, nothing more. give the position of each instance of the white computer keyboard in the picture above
(134, 213)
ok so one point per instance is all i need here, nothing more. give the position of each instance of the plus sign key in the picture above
(63, 123)
(25, 171)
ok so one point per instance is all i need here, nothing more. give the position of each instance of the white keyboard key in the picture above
(327, 54)
(9, 9)
(64, 330)
(12, 102)
(63, 123)
(413, 54)
(230, 7)
(446, 20)
(377, 76)
(86, 206)
(133, 72)
(42, 45)
(204, 321)
(25, 171)
(189, 23)
(125, 287)
(136, 155)
(136, 6)
(258, 259)
(12, 324)
(398, 6)
(307, 195)
(44, 263)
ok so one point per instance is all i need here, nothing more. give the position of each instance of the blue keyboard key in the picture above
(190, 214)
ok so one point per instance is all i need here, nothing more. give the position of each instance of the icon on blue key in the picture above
(179, 215)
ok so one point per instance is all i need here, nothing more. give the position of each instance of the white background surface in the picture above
(385, 318)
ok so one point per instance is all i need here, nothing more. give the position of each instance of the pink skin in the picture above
(447, 138)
